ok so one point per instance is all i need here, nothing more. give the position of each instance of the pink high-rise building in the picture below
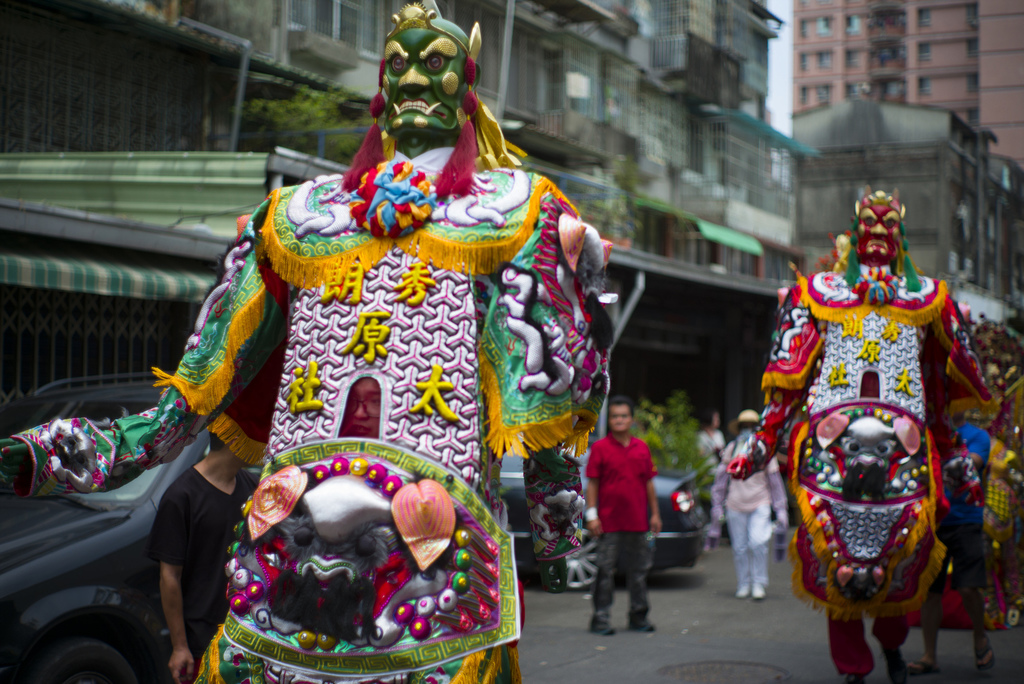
(967, 57)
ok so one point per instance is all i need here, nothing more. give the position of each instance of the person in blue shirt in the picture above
(961, 532)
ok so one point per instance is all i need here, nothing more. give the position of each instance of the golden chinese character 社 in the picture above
(301, 389)
(837, 376)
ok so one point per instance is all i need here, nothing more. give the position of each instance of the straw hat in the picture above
(746, 416)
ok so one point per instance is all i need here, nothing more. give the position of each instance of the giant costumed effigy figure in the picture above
(379, 341)
(875, 357)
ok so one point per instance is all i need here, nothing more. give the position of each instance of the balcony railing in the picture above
(887, 27)
(669, 52)
(881, 66)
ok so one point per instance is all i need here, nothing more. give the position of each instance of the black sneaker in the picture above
(896, 666)
(853, 679)
(641, 626)
(602, 629)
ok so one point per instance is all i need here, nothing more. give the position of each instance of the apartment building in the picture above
(940, 53)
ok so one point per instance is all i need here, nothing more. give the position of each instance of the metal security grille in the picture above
(68, 86)
(356, 22)
(620, 93)
(48, 335)
(492, 27)
(658, 113)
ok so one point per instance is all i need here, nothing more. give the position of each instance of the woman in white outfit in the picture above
(748, 506)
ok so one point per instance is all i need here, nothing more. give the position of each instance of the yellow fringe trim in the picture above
(916, 317)
(517, 439)
(513, 661)
(837, 606)
(209, 665)
(469, 672)
(475, 258)
(246, 448)
(773, 379)
(204, 398)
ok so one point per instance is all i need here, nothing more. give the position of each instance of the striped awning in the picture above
(105, 272)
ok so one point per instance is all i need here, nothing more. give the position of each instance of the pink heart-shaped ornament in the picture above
(844, 574)
(571, 233)
(908, 434)
(830, 428)
(275, 498)
(425, 517)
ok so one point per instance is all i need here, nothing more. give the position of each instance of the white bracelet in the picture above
(591, 514)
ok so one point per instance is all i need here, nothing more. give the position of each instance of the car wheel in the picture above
(78, 660)
(582, 564)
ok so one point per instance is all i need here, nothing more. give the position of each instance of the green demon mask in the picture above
(424, 80)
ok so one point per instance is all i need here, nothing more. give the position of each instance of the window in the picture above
(825, 59)
(894, 88)
(852, 91)
(824, 26)
(924, 86)
(803, 95)
(803, 61)
(972, 83)
(853, 25)
(972, 14)
(851, 58)
(972, 47)
(924, 17)
(824, 93)
(803, 28)
(972, 116)
(924, 52)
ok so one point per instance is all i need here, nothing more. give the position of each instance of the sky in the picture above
(780, 68)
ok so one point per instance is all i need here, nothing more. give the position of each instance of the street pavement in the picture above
(705, 634)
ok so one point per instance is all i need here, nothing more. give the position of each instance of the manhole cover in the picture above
(724, 672)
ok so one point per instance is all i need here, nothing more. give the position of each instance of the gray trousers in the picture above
(638, 562)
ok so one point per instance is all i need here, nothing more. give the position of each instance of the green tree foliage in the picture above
(307, 110)
(670, 430)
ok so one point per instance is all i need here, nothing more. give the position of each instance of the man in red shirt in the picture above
(620, 492)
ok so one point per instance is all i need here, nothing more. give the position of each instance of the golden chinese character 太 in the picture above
(837, 376)
(853, 326)
(432, 394)
(870, 351)
(414, 284)
(892, 331)
(370, 336)
(345, 284)
(904, 383)
(301, 389)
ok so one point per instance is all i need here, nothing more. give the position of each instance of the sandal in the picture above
(919, 667)
(984, 653)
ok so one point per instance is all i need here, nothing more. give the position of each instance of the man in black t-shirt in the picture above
(190, 536)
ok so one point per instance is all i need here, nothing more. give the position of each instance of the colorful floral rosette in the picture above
(393, 200)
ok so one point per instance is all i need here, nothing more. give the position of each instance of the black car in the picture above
(79, 601)
(679, 544)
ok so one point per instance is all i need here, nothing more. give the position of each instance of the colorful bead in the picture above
(241, 578)
(460, 582)
(239, 604)
(325, 641)
(420, 628)
(239, 528)
(463, 559)
(340, 466)
(447, 600)
(255, 591)
(463, 537)
(426, 606)
(320, 473)
(306, 639)
(376, 474)
(358, 466)
(404, 613)
(391, 485)
(247, 507)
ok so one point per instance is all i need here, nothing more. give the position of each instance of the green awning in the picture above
(729, 237)
(663, 207)
(97, 271)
